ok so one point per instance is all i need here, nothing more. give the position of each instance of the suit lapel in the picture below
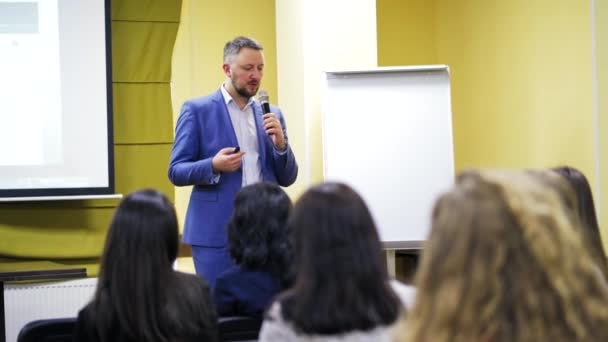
(225, 117)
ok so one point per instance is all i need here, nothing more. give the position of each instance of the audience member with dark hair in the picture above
(504, 262)
(341, 290)
(586, 212)
(260, 247)
(139, 297)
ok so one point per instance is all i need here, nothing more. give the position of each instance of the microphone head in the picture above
(263, 96)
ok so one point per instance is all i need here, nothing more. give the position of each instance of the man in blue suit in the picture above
(205, 153)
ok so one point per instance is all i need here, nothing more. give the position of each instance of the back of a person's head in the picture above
(341, 283)
(136, 266)
(143, 230)
(585, 209)
(504, 263)
(257, 230)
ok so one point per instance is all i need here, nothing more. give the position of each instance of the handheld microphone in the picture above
(264, 101)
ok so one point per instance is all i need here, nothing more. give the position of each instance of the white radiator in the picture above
(24, 303)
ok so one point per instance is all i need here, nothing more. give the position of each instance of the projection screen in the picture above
(55, 98)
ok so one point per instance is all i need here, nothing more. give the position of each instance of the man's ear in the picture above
(227, 70)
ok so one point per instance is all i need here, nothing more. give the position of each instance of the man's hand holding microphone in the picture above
(271, 124)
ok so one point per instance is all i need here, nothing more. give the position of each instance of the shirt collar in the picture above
(228, 98)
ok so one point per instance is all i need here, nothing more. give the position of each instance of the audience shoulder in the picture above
(192, 307)
(191, 293)
(406, 293)
(192, 285)
(274, 312)
(274, 327)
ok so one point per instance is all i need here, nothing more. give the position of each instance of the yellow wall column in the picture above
(316, 36)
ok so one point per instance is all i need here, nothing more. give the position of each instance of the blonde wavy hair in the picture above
(504, 262)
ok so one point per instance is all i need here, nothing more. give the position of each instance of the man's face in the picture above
(246, 72)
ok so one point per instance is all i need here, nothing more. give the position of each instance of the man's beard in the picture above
(242, 91)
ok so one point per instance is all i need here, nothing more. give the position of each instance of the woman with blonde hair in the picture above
(499, 266)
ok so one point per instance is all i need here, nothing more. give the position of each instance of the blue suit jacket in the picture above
(240, 292)
(203, 128)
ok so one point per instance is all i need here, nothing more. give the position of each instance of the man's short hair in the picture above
(233, 47)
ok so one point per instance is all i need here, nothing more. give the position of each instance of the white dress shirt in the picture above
(243, 123)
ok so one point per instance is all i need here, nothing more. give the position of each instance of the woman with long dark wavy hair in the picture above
(260, 247)
(341, 290)
(139, 297)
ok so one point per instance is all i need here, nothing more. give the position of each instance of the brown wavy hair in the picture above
(586, 212)
(504, 262)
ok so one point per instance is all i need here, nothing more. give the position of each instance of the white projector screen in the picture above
(387, 133)
(56, 98)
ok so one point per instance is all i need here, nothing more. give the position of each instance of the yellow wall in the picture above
(197, 57)
(290, 73)
(406, 32)
(521, 76)
(521, 82)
